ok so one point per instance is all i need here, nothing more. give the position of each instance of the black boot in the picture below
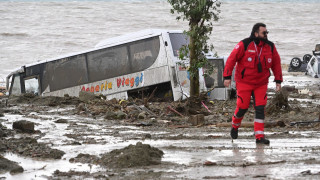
(262, 141)
(234, 133)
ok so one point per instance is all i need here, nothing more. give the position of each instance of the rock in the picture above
(110, 115)
(120, 115)
(85, 158)
(86, 96)
(3, 146)
(144, 124)
(7, 165)
(289, 88)
(292, 113)
(210, 118)
(132, 156)
(142, 115)
(113, 101)
(147, 136)
(61, 121)
(76, 143)
(209, 163)
(133, 114)
(196, 120)
(2, 133)
(81, 107)
(24, 126)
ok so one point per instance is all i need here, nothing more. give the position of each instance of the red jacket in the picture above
(246, 54)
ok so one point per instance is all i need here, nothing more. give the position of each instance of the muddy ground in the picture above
(94, 138)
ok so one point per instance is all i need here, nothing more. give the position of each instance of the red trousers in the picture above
(259, 94)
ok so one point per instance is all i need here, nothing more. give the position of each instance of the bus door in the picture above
(181, 79)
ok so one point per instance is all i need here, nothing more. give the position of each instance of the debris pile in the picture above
(132, 156)
(278, 102)
(32, 99)
(29, 147)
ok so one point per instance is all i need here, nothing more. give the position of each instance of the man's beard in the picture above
(258, 39)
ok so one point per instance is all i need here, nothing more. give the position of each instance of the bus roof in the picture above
(122, 39)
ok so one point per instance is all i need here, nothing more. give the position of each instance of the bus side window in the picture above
(144, 53)
(32, 86)
(16, 86)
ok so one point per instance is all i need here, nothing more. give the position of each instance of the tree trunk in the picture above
(194, 78)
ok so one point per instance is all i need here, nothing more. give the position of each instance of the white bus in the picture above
(118, 68)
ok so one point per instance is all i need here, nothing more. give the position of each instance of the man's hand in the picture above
(227, 82)
(278, 87)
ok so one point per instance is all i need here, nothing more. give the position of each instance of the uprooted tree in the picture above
(200, 14)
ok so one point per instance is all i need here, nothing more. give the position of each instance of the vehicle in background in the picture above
(118, 68)
(313, 67)
(310, 64)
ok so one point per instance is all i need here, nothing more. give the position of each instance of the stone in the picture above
(2, 133)
(196, 120)
(142, 115)
(61, 121)
(24, 126)
(147, 136)
(121, 115)
(291, 113)
(7, 165)
(289, 88)
(110, 115)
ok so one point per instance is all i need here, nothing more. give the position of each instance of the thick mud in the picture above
(93, 138)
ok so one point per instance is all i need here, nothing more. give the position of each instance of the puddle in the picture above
(38, 169)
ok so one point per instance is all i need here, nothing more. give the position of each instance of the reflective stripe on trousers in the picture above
(236, 122)
(259, 128)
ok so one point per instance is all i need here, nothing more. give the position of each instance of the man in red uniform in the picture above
(253, 57)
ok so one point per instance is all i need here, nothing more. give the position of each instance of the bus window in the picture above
(66, 72)
(177, 41)
(108, 63)
(16, 86)
(144, 53)
(32, 86)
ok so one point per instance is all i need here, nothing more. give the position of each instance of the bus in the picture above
(119, 67)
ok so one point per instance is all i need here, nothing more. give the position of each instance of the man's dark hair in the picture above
(256, 27)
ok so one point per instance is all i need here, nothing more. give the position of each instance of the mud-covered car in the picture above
(309, 64)
(313, 67)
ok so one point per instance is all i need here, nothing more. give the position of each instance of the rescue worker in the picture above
(254, 56)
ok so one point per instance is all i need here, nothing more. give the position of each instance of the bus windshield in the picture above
(177, 41)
